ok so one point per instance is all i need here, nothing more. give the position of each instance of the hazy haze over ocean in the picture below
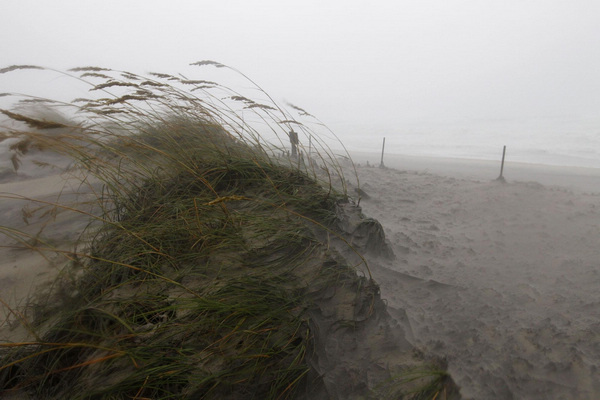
(456, 78)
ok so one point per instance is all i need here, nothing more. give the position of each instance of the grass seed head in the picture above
(18, 67)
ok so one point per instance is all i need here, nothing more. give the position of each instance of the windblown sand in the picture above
(501, 278)
(30, 224)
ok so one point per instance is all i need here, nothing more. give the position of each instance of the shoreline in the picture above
(580, 179)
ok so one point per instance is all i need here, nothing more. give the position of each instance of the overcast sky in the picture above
(382, 67)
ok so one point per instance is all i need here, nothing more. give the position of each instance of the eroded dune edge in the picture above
(194, 259)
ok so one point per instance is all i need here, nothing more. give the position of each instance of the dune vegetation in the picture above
(212, 256)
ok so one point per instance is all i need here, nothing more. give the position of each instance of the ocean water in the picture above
(573, 142)
(562, 144)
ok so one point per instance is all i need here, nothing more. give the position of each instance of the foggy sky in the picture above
(382, 67)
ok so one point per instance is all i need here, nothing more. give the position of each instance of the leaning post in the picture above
(382, 150)
(501, 177)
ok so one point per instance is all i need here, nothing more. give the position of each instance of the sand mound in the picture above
(217, 266)
(325, 332)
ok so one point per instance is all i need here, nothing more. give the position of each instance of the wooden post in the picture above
(501, 177)
(382, 150)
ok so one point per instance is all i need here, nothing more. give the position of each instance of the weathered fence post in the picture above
(382, 150)
(501, 177)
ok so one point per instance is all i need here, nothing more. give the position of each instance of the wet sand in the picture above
(500, 278)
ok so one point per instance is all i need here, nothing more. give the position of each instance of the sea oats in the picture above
(197, 82)
(290, 121)
(184, 181)
(241, 98)
(129, 75)
(112, 84)
(95, 75)
(209, 62)
(17, 67)
(125, 98)
(180, 107)
(300, 110)
(110, 111)
(32, 122)
(87, 69)
(160, 75)
(143, 92)
(261, 106)
(22, 146)
(94, 103)
(153, 83)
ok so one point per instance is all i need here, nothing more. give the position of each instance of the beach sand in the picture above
(30, 223)
(500, 278)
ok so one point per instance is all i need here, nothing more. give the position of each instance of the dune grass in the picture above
(192, 278)
(188, 286)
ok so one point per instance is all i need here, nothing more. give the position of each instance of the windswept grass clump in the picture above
(203, 255)
(192, 284)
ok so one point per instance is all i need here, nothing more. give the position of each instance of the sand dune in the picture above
(502, 279)
(350, 327)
